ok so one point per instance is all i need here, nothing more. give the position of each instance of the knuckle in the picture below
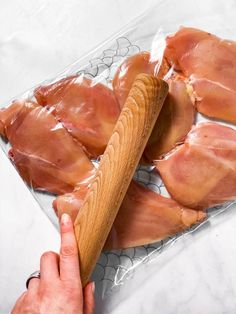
(45, 290)
(48, 255)
(66, 229)
(72, 292)
(68, 250)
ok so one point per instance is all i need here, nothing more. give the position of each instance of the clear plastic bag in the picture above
(58, 130)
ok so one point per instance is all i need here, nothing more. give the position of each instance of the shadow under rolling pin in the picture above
(116, 169)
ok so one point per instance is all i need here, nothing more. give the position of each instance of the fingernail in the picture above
(93, 287)
(65, 219)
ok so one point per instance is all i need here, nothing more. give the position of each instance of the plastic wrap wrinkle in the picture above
(58, 127)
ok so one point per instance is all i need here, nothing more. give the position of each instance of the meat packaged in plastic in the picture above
(55, 134)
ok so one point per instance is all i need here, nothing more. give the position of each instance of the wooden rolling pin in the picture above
(109, 186)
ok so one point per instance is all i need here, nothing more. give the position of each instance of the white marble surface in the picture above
(196, 275)
(37, 40)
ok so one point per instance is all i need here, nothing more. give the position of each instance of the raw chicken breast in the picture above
(202, 172)
(210, 65)
(144, 216)
(46, 155)
(130, 68)
(17, 111)
(88, 110)
(70, 203)
(174, 122)
(177, 115)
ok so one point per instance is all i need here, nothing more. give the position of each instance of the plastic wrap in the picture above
(56, 133)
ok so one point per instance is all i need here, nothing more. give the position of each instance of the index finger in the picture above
(69, 260)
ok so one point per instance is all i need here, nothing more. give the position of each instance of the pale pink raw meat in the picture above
(202, 172)
(88, 110)
(177, 114)
(210, 65)
(174, 122)
(45, 154)
(144, 216)
(132, 66)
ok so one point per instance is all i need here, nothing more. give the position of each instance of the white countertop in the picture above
(37, 40)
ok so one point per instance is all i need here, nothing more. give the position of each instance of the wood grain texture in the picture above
(116, 169)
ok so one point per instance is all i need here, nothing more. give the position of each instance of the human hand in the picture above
(59, 288)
